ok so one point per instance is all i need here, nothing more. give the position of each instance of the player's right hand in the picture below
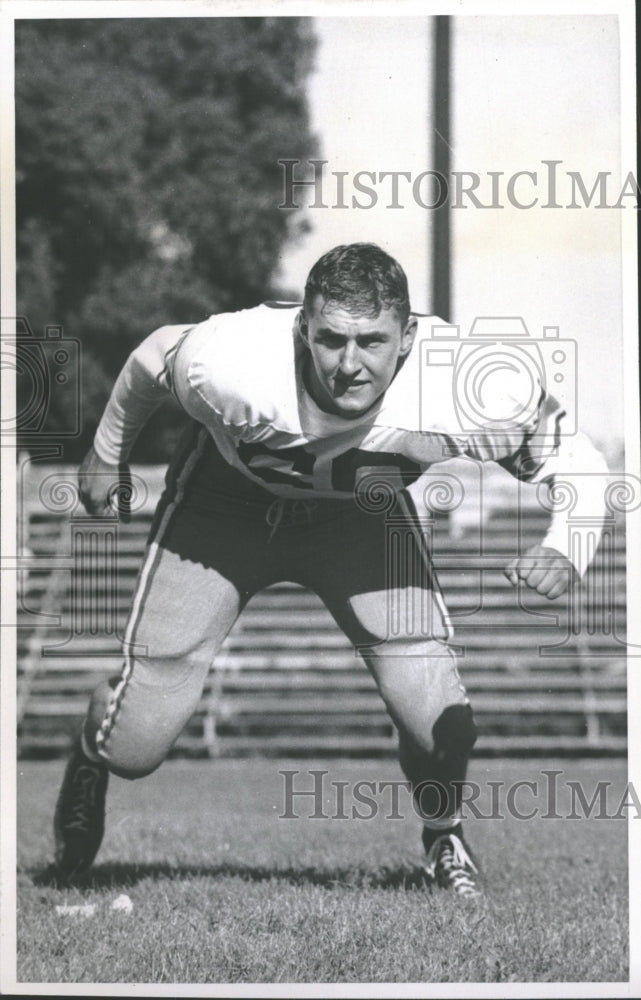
(100, 484)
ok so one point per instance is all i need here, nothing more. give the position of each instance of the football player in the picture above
(301, 420)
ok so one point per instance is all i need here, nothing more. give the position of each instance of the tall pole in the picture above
(441, 277)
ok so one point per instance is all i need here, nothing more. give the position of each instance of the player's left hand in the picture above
(542, 568)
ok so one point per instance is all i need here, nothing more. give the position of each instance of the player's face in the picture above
(353, 358)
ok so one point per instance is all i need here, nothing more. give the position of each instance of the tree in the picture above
(147, 177)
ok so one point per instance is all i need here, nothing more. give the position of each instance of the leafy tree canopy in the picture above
(148, 181)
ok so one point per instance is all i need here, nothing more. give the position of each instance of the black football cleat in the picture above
(79, 821)
(450, 865)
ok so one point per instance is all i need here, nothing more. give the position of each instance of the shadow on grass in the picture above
(123, 875)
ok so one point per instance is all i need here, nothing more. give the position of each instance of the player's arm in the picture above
(543, 453)
(574, 462)
(142, 385)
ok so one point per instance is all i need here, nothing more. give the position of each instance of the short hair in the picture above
(361, 278)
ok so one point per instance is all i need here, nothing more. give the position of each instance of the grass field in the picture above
(224, 891)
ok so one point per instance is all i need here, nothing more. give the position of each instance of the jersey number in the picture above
(295, 466)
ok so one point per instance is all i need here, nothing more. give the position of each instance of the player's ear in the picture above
(303, 331)
(408, 335)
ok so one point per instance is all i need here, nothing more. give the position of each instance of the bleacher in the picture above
(287, 682)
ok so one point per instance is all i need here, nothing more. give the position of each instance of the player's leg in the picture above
(387, 604)
(180, 616)
(419, 682)
(194, 580)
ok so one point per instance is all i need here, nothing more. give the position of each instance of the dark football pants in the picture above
(216, 540)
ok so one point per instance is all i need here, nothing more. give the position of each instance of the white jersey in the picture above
(242, 376)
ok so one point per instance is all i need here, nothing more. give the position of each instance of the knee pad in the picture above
(137, 770)
(130, 757)
(455, 731)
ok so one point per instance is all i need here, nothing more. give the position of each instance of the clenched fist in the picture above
(104, 488)
(542, 568)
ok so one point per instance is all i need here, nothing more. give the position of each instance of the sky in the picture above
(524, 90)
(369, 101)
